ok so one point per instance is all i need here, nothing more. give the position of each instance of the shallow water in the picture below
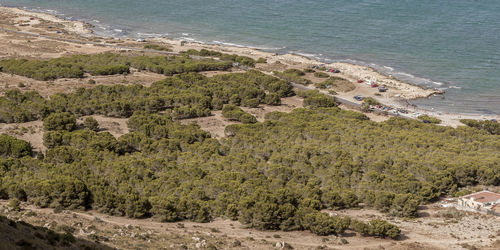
(448, 44)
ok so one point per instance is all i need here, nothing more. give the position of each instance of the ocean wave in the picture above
(229, 44)
(151, 35)
(304, 54)
(189, 39)
(247, 46)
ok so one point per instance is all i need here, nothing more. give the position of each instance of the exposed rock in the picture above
(201, 244)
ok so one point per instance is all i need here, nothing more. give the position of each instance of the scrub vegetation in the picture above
(273, 175)
(106, 64)
(293, 75)
(186, 95)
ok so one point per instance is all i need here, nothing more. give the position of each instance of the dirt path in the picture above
(428, 232)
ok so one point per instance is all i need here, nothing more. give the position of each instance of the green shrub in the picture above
(313, 98)
(109, 70)
(272, 99)
(12, 147)
(322, 224)
(186, 95)
(261, 60)
(492, 127)
(15, 204)
(108, 64)
(370, 101)
(462, 192)
(236, 114)
(91, 124)
(243, 60)
(430, 119)
(251, 102)
(156, 47)
(332, 81)
(377, 228)
(293, 75)
(60, 121)
(321, 75)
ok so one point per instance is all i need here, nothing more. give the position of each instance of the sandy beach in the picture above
(55, 41)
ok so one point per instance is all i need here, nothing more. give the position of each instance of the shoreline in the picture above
(87, 30)
(398, 94)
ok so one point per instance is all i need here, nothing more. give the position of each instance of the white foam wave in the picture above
(150, 34)
(305, 54)
(228, 44)
(404, 74)
(246, 46)
(189, 39)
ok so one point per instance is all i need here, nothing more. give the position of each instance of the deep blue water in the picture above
(449, 44)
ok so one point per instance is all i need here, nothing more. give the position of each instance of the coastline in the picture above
(399, 92)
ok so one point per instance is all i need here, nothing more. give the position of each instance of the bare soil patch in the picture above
(115, 126)
(126, 233)
(472, 229)
(31, 132)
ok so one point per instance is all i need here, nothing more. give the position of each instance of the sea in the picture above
(453, 45)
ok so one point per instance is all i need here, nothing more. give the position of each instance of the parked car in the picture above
(359, 97)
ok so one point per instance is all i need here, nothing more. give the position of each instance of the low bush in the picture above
(321, 75)
(243, 60)
(492, 127)
(91, 123)
(376, 228)
(429, 119)
(236, 114)
(261, 60)
(332, 82)
(157, 47)
(186, 95)
(313, 98)
(12, 147)
(293, 75)
(60, 121)
(108, 64)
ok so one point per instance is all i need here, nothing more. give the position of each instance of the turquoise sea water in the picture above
(448, 44)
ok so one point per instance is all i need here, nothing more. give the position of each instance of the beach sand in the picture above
(55, 30)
